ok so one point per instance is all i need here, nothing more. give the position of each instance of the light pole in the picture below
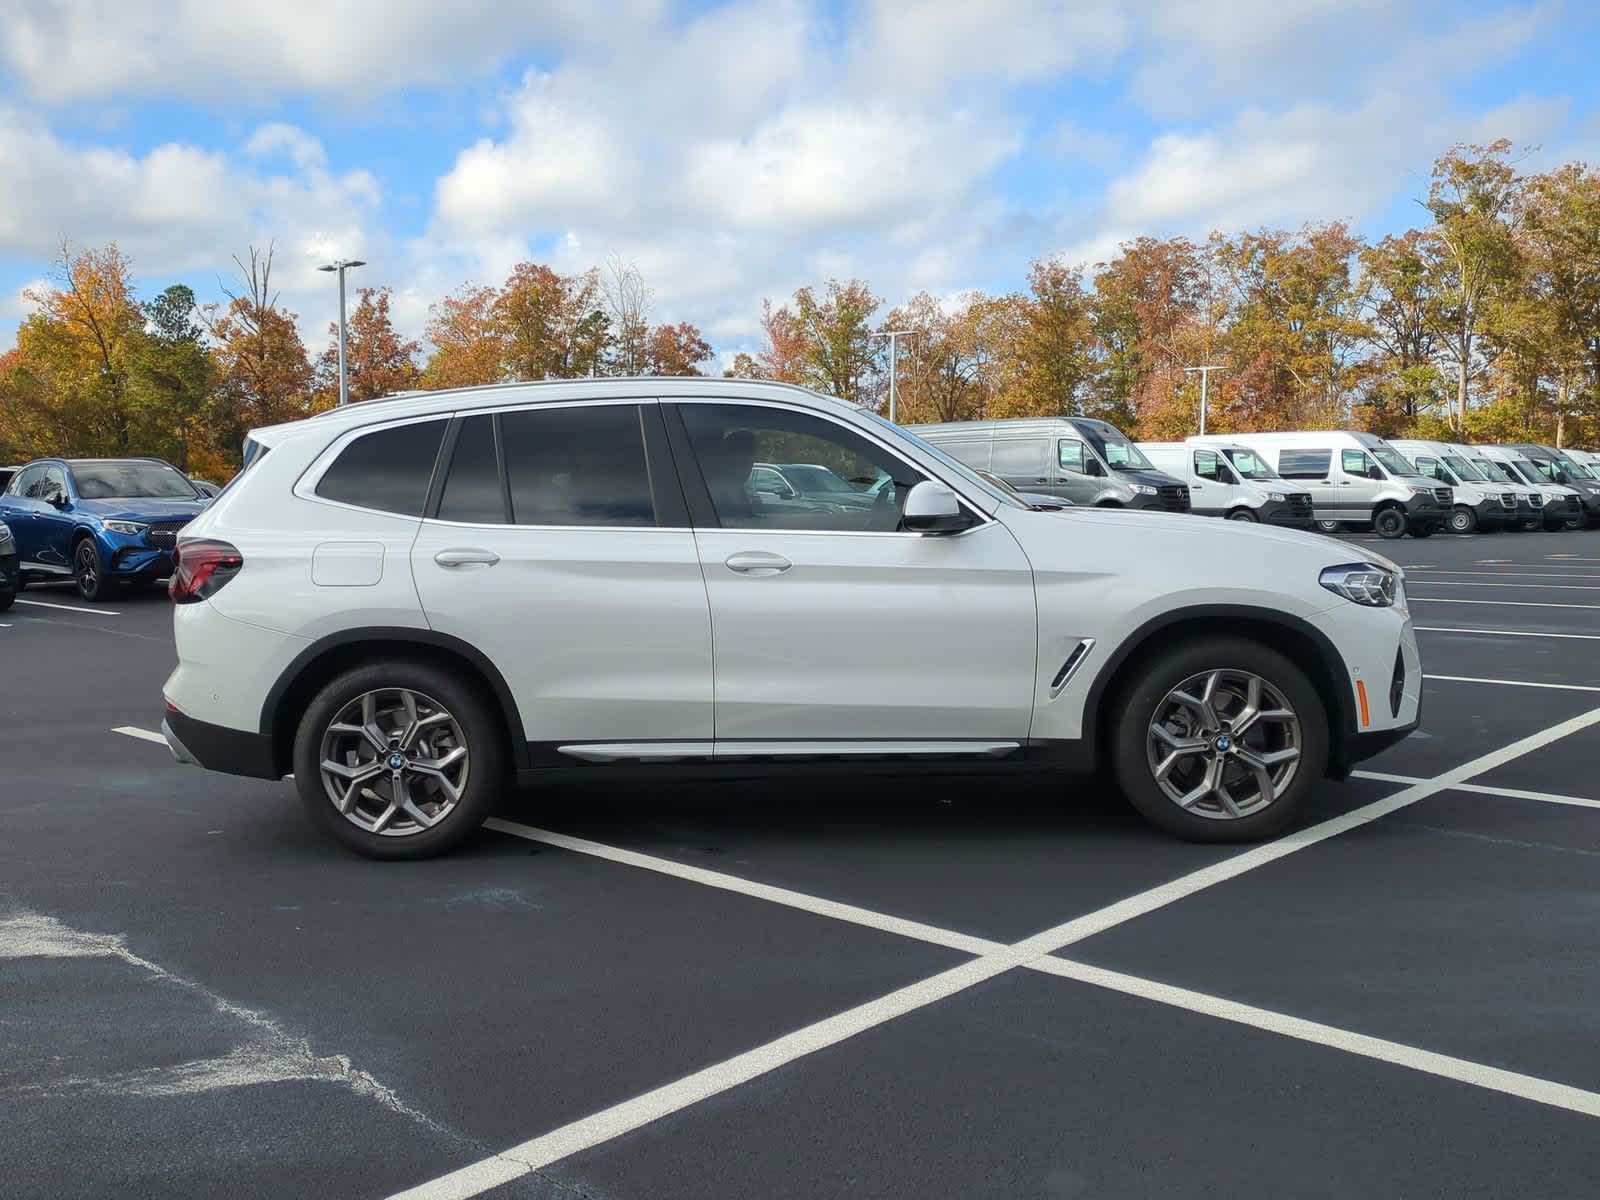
(1205, 377)
(342, 265)
(894, 336)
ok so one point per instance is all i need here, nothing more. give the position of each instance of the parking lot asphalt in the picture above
(967, 987)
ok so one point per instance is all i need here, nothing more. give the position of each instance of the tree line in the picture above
(1482, 323)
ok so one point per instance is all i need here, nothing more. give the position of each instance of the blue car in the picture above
(101, 522)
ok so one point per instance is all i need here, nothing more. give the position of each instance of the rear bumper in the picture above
(217, 748)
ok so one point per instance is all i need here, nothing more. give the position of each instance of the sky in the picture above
(737, 151)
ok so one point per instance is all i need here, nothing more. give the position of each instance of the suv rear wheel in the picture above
(399, 760)
(1220, 740)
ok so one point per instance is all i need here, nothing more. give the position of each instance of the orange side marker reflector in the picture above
(1361, 694)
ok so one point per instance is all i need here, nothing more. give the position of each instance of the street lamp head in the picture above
(342, 264)
(329, 267)
(356, 262)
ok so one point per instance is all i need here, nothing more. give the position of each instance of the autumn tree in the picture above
(466, 340)
(940, 369)
(1474, 200)
(1153, 315)
(551, 326)
(264, 374)
(1400, 305)
(378, 361)
(1054, 345)
(824, 343)
(75, 352)
(674, 350)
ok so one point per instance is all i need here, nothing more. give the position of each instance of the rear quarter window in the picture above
(388, 470)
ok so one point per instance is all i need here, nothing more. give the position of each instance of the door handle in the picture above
(757, 562)
(466, 558)
(1040, 479)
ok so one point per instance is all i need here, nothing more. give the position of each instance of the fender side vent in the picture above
(1068, 668)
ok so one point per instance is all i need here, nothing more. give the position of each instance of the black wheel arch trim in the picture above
(517, 746)
(1343, 728)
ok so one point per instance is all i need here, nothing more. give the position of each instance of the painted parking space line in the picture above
(1494, 1079)
(1430, 581)
(93, 612)
(629, 1115)
(1501, 603)
(144, 735)
(1582, 637)
(1484, 789)
(1557, 687)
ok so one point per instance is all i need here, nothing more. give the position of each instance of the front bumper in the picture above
(1384, 669)
(1492, 513)
(1425, 511)
(10, 572)
(1286, 515)
(129, 559)
(216, 748)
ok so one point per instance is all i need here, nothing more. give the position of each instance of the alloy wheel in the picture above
(87, 569)
(1224, 744)
(394, 762)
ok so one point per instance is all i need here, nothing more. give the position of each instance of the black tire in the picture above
(1390, 523)
(7, 599)
(1243, 514)
(1330, 526)
(1529, 526)
(88, 572)
(1134, 707)
(1574, 523)
(482, 734)
(1463, 520)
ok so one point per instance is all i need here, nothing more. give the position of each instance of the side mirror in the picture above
(58, 502)
(1374, 472)
(933, 508)
(1091, 466)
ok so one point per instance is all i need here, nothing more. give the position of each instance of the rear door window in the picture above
(473, 493)
(583, 465)
(388, 469)
(1304, 464)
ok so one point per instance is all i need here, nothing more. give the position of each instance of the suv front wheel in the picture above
(399, 760)
(1220, 740)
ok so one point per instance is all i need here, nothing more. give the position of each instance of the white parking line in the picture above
(1430, 581)
(1557, 687)
(1503, 603)
(144, 735)
(691, 1089)
(1485, 789)
(1510, 1083)
(1582, 637)
(93, 612)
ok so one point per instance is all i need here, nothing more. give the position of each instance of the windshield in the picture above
(810, 478)
(1463, 469)
(955, 466)
(1392, 459)
(131, 481)
(1497, 472)
(1594, 470)
(1120, 454)
(1250, 465)
(1554, 470)
(1529, 472)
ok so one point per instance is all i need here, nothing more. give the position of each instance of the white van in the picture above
(1354, 479)
(1480, 502)
(1530, 500)
(1563, 505)
(1232, 481)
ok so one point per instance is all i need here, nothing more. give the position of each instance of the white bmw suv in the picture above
(408, 603)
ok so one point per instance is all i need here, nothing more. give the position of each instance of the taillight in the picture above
(201, 568)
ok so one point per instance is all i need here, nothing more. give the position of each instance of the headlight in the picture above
(1420, 491)
(1278, 496)
(1362, 583)
(1144, 489)
(126, 528)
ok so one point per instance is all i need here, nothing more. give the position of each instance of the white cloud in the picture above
(60, 50)
(300, 147)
